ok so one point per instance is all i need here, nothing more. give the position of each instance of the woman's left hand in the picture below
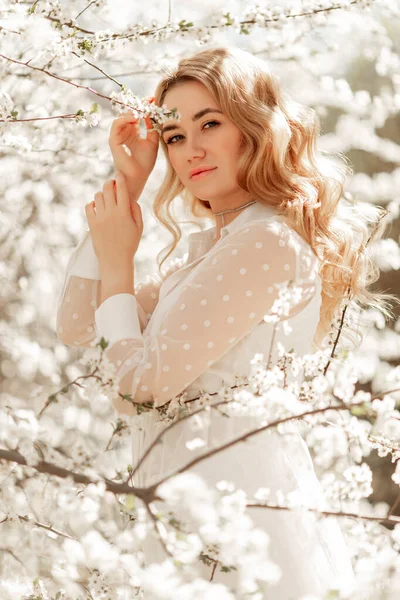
(116, 225)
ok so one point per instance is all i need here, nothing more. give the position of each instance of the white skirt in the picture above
(311, 552)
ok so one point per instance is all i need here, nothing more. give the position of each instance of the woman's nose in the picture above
(194, 148)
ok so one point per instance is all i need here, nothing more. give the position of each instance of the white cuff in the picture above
(84, 262)
(117, 318)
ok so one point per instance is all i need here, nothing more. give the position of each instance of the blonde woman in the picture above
(243, 154)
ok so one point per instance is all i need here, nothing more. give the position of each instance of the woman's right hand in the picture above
(137, 167)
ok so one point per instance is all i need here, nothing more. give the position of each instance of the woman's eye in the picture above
(169, 141)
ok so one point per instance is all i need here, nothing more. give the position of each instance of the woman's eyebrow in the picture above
(195, 117)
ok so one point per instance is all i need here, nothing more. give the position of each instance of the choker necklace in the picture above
(233, 210)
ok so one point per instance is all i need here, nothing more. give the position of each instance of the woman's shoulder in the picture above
(275, 226)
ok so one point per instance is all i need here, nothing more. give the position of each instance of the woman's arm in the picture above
(81, 295)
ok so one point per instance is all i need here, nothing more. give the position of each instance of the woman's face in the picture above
(211, 140)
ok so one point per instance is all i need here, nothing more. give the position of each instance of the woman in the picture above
(277, 220)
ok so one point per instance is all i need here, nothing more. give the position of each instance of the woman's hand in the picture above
(137, 167)
(116, 226)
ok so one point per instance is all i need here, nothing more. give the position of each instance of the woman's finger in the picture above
(137, 214)
(109, 194)
(90, 211)
(119, 129)
(121, 158)
(152, 134)
(99, 201)
(122, 195)
(116, 141)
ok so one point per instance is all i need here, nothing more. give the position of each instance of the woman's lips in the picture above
(202, 174)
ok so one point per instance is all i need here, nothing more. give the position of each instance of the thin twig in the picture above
(52, 469)
(327, 513)
(71, 24)
(74, 84)
(156, 524)
(47, 527)
(84, 9)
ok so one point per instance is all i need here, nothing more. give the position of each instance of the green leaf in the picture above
(85, 45)
(130, 502)
(103, 343)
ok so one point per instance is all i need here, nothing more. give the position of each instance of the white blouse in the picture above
(184, 324)
(198, 327)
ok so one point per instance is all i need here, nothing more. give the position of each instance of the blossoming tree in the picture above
(72, 519)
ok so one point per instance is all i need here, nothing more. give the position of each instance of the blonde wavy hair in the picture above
(281, 167)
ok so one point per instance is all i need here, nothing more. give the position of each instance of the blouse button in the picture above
(153, 295)
(203, 302)
(214, 262)
(220, 277)
(225, 298)
(165, 368)
(165, 389)
(259, 245)
(210, 344)
(82, 286)
(232, 340)
(124, 343)
(182, 306)
(90, 329)
(230, 319)
(243, 271)
(186, 346)
(184, 327)
(286, 267)
(252, 315)
(281, 242)
(143, 388)
(270, 289)
(188, 367)
(235, 251)
(265, 267)
(249, 293)
(164, 346)
(75, 316)
(207, 323)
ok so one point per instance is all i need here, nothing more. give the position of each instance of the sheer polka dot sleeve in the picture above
(224, 297)
(80, 297)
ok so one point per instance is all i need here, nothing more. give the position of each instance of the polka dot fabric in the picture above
(224, 297)
(81, 295)
(75, 316)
